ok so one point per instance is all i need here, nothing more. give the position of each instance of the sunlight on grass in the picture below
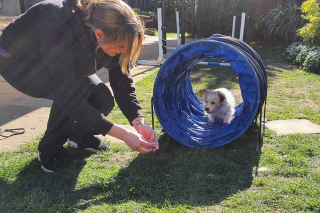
(182, 179)
(174, 35)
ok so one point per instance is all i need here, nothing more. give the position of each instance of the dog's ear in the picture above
(221, 96)
(203, 91)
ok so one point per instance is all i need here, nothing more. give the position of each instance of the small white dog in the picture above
(219, 103)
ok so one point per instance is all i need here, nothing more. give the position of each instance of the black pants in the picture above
(61, 125)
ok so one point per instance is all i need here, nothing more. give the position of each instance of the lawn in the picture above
(174, 35)
(282, 177)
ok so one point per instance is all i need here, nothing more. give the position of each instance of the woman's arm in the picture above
(124, 93)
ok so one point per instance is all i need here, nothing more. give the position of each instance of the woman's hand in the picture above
(146, 131)
(137, 143)
(133, 139)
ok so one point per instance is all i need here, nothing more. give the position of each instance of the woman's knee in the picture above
(101, 98)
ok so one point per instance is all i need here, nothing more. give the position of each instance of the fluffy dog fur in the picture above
(218, 103)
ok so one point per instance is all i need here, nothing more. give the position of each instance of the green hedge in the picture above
(306, 57)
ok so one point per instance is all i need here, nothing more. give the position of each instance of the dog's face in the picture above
(212, 100)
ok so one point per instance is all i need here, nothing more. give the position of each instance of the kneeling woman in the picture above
(53, 51)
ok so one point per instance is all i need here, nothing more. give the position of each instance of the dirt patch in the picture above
(310, 104)
(302, 90)
(303, 103)
(270, 106)
(123, 158)
(316, 163)
(237, 95)
(279, 66)
(277, 83)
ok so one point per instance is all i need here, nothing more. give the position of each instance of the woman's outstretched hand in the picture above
(133, 139)
(146, 131)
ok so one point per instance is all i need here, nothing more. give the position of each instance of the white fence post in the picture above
(178, 29)
(243, 20)
(234, 26)
(160, 33)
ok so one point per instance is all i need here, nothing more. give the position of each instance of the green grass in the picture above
(174, 35)
(182, 179)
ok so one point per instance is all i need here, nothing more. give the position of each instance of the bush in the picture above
(312, 61)
(310, 33)
(306, 57)
(284, 19)
(291, 53)
(301, 57)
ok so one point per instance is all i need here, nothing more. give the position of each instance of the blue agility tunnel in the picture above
(179, 110)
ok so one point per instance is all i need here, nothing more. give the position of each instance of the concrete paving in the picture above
(293, 126)
(21, 111)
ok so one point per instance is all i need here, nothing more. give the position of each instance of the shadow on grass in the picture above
(187, 176)
(274, 69)
(269, 52)
(176, 174)
(35, 191)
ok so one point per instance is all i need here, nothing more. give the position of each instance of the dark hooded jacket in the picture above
(52, 36)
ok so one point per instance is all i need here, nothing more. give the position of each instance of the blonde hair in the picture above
(118, 23)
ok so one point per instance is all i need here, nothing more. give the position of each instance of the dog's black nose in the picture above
(207, 109)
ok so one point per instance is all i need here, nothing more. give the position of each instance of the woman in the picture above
(53, 50)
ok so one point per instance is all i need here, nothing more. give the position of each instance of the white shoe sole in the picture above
(42, 167)
(75, 145)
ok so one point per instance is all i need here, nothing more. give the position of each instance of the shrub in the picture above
(312, 61)
(306, 57)
(284, 19)
(291, 52)
(302, 55)
(310, 33)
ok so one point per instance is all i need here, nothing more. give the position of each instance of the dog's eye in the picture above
(213, 102)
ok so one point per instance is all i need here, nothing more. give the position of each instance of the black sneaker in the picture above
(48, 166)
(51, 162)
(90, 143)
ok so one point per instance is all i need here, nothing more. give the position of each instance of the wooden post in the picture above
(147, 5)
(164, 24)
(22, 8)
(193, 20)
(183, 21)
(164, 5)
(144, 5)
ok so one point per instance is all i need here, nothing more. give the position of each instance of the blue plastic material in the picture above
(179, 110)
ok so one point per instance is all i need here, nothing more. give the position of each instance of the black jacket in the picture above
(53, 33)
